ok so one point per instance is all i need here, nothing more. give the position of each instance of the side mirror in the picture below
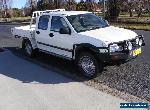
(65, 30)
(107, 22)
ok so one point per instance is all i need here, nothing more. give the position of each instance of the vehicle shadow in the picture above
(16, 65)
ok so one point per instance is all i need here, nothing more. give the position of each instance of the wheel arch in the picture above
(33, 42)
(78, 48)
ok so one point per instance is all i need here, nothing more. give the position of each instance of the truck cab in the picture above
(83, 37)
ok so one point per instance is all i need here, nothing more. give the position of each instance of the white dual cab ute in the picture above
(80, 36)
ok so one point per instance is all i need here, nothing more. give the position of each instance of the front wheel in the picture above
(88, 65)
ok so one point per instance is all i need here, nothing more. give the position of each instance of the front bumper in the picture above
(124, 55)
(120, 56)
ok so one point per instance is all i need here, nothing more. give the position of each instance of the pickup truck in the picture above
(80, 36)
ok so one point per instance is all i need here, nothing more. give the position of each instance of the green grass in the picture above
(20, 19)
(132, 26)
(125, 21)
(16, 19)
(125, 14)
(134, 19)
(124, 17)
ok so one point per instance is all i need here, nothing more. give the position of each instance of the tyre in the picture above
(27, 46)
(88, 65)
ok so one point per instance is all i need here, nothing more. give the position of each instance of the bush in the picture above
(17, 12)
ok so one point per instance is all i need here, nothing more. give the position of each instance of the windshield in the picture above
(86, 22)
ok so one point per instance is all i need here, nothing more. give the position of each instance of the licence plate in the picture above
(137, 52)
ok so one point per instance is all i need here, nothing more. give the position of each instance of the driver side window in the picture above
(58, 22)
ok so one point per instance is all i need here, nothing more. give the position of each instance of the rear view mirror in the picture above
(65, 30)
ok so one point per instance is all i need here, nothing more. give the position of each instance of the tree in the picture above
(139, 7)
(136, 5)
(130, 6)
(114, 7)
(17, 12)
(81, 6)
(32, 5)
(91, 5)
(40, 4)
(57, 3)
(50, 4)
(5, 5)
(70, 5)
(147, 5)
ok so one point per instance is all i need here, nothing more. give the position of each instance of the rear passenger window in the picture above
(43, 22)
(58, 22)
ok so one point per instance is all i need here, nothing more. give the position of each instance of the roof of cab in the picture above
(67, 13)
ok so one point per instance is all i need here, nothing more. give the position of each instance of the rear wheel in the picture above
(27, 46)
(88, 65)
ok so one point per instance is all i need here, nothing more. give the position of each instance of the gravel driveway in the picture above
(131, 79)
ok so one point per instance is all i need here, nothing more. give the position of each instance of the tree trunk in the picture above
(130, 12)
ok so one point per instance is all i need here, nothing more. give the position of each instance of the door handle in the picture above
(38, 32)
(51, 35)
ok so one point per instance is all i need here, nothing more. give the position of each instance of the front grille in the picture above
(133, 41)
(123, 45)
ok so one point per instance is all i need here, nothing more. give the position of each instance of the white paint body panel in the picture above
(23, 31)
(111, 34)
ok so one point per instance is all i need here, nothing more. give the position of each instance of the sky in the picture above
(18, 3)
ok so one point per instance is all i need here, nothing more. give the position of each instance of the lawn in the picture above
(20, 18)
(145, 18)
(134, 22)
(16, 19)
(132, 26)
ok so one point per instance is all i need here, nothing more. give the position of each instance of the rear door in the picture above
(42, 32)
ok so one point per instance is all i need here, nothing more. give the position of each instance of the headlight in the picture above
(129, 45)
(115, 48)
(140, 42)
(137, 41)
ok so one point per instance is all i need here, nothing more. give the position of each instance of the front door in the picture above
(61, 44)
